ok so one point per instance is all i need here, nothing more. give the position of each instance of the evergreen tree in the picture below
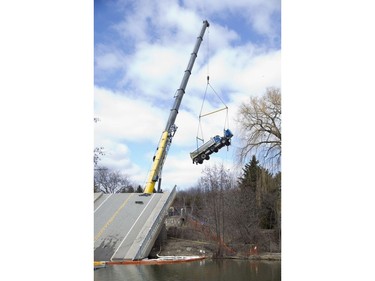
(250, 176)
(260, 193)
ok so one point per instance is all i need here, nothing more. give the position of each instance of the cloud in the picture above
(108, 59)
(147, 20)
(117, 158)
(255, 14)
(162, 32)
(154, 70)
(126, 118)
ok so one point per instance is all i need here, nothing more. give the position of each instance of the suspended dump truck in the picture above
(213, 145)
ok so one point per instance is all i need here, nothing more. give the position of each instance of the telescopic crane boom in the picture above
(170, 129)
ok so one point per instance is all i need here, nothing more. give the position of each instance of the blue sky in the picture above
(141, 50)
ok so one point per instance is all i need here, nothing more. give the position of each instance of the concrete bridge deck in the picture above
(126, 225)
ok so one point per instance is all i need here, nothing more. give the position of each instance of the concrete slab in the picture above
(123, 221)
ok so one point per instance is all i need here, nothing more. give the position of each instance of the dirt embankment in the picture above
(179, 238)
(183, 247)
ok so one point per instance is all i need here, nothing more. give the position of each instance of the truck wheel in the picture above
(203, 156)
(200, 161)
(207, 157)
(216, 150)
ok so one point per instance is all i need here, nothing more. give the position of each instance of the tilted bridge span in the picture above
(126, 225)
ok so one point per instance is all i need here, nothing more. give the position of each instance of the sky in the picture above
(141, 50)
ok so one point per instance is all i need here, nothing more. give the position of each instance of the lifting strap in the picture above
(226, 122)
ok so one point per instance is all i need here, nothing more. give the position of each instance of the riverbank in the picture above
(184, 247)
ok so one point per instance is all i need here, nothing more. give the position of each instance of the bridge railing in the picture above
(146, 246)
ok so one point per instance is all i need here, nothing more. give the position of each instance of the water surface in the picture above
(206, 270)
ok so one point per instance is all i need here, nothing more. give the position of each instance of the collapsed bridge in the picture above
(126, 225)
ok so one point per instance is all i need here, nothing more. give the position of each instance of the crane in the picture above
(170, 129)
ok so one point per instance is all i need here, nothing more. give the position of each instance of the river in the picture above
(206, 270)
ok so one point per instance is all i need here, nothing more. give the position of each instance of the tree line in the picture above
(243, 210)
(111, 181)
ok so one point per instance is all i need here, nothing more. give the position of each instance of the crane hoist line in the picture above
(217, 142)
(170, 129)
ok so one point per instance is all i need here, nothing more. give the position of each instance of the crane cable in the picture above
(226, 122)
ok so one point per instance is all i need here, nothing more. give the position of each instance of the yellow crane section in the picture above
(153, 176)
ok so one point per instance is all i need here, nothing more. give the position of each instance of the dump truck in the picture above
(213, 145)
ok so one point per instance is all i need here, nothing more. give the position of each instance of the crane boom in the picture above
(170, 129)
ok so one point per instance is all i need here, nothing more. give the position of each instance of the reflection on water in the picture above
(207, 270)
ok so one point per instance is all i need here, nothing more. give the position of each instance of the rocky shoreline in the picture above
(183, 247)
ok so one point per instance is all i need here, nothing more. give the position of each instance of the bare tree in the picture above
(214, 184)
(189, 200)
(260, 127)
(242, 216)
(109, 181)
(98, 151)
